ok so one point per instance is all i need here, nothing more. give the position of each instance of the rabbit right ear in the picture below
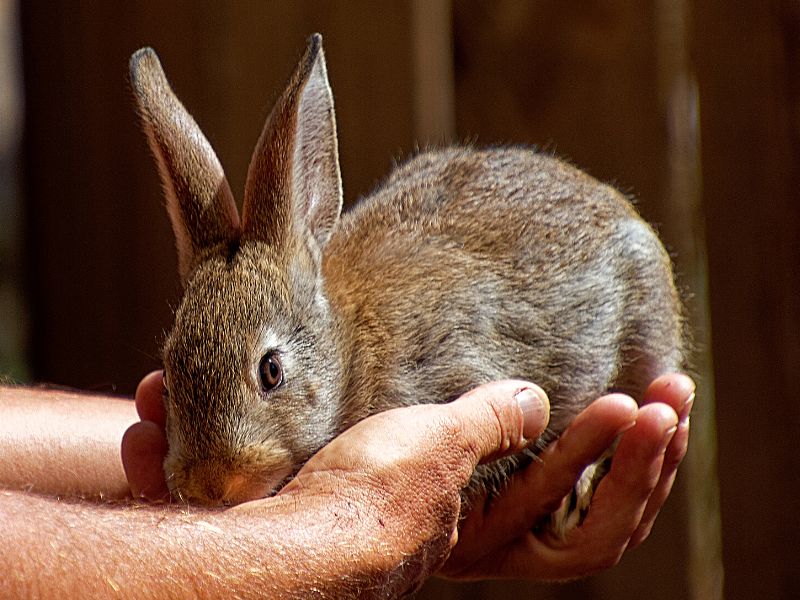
(199, 200)
(294, 181)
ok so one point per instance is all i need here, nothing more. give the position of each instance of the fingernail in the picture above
(535, 411)
(668, 435)
(687, 408)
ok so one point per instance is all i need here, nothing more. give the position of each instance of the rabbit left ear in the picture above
(199, 200)
(294, 179)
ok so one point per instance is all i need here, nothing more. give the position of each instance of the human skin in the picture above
(496, 538)
(64, 443)
(372, 515)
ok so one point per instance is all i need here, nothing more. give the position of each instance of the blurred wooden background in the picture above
(693, 106)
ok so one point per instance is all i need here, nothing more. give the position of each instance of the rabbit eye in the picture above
(270, 372)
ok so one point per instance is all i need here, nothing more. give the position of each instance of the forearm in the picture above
(324, 548)
(58, 443)
(61, 443)
(371, 515)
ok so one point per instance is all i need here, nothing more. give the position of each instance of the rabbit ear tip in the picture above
(144, 50)
(141, 60)
(143, 54)
(314, 46)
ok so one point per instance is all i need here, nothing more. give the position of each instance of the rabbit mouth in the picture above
(238, 488)
(212, 484)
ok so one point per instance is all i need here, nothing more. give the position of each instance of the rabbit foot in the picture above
(575, 507)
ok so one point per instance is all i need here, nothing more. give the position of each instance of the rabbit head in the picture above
(252, 366)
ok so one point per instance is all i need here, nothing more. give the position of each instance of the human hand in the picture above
(404, 470)
(498, 538)
(144, 444)
(392, 481)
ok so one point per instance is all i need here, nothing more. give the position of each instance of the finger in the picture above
(499, 418)
(535, 492)
(674, 455)
(614, 514)
(142, 450)
(591, 547)
(621, 497)
(674, 389)
(149, 398)
(559, 466)
(676, 451)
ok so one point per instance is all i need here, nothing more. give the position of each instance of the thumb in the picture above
(500, 418)
(490, 421)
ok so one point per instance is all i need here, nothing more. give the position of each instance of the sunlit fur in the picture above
(464, 266)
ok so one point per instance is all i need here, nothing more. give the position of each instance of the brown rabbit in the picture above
(465, 266)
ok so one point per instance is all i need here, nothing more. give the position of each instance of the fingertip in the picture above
(149, 398)
(656, 425)
(142, 451)
(615, 411)
(674, 389)
(663, 417)
(535, 407)
(623, 404)
(504, 416)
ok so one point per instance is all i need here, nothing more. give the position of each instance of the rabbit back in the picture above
(469, 266)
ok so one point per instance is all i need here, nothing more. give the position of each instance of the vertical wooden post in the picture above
(748, 59)
(434, 108)
(681, 218)
(13, 313)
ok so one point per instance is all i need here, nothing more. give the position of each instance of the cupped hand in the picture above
(394, 479)
(499, 538)
(403, 471)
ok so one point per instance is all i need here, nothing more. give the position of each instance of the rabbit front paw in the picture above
(575, 507)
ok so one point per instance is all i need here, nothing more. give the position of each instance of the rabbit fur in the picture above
(463, 267)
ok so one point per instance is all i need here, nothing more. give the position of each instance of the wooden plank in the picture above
(434, 104)
(682, 224)
(13, 312)
(748, 57)
(102, 277)
(606, 83)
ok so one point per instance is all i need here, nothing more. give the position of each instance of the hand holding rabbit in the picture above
(466, 266)
(495, 538)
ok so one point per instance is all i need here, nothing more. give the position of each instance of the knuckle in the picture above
(500, 432)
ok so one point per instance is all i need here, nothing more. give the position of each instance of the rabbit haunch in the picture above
(464, 267)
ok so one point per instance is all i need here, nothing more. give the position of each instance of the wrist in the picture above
(350, 535)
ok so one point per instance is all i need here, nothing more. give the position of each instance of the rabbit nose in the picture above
(214, 493)
(211, 482)
(233, 488)
(216, 483)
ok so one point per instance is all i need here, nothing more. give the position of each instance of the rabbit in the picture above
(464, 266)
